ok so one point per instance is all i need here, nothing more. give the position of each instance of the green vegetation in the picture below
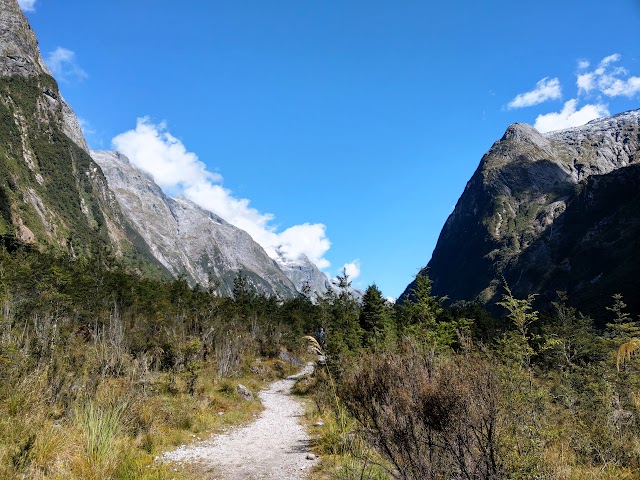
(31, 127)
(457, 394)
(52, 186)
(103, 370)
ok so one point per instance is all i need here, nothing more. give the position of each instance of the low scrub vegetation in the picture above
(435, 392)
(103, 370)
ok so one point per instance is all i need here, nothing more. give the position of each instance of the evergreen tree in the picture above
(518, 343)
(376, 319)
(622, 329)
(243, 295)
(571, 340)
(422, 317)
(341, 311)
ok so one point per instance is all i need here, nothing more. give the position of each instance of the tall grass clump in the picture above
(101, 426)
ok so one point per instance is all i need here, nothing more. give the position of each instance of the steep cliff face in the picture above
(305, 275)
(55, 196)
(186, 239)
(52, 194)
(521, 194)
(592, 250)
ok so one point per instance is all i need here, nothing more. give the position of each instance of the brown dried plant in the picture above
(625, 351)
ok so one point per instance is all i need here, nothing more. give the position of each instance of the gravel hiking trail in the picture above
(274, 446)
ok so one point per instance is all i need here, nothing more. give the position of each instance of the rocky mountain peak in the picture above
(21, 56)
(20, 53)
(520, 132)
(526, 187)
(186, 239)
(304, 274)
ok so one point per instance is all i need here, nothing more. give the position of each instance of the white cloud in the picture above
(586, 82)
(546, 89)
(153, 149)
(63, 65)
(569, 116)
(610, 59)
(352, 269)
(179, 172)
(583, 64)
(27, 5)
(309, 239)
(615, 87)
(609, 80)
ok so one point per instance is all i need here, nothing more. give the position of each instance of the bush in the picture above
(429, 418)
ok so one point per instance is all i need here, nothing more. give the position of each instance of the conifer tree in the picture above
(622, 329)
(341, 311)
(570, 337)
(518, 343)
(422, 317)
(376, 318)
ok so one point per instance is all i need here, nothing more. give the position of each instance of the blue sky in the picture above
(345, 130)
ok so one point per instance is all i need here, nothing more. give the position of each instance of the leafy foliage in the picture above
(422, 316)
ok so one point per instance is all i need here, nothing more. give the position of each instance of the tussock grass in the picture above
(102, 370)
(102, 427)
(117, 425)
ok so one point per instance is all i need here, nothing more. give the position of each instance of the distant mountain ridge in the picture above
(54, 195)
(187, 239)
(541, 212)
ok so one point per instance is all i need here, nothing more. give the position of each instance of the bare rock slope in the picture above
(187, 239)
(517, 214)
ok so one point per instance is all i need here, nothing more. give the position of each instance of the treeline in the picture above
(454, 393)
(103, 369)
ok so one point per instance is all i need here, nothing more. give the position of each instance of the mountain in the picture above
(187, 239)
(304, 274)
(52, 194)
(548, 212)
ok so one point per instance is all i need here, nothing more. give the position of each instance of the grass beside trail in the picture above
(120, 432)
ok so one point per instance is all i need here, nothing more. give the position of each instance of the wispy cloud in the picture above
(85, 125)
(179, 172)
(64, 66)
(570, 116)
(546, 89)
(27, 5)
(583, 64)
(352, 269)
(608, 79)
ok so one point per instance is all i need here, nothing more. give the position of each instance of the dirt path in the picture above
(274, 446)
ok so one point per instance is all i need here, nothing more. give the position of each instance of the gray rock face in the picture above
(524, 184)
(53, 194)
(592, 250)
(20, 53)
(310, 281)
(187, 239)
(21, 56)
(50, 155)
(305, 275)
(71, 126)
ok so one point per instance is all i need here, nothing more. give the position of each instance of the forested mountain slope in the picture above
(52, 194)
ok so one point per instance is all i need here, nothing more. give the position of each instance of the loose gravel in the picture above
(274, 446)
